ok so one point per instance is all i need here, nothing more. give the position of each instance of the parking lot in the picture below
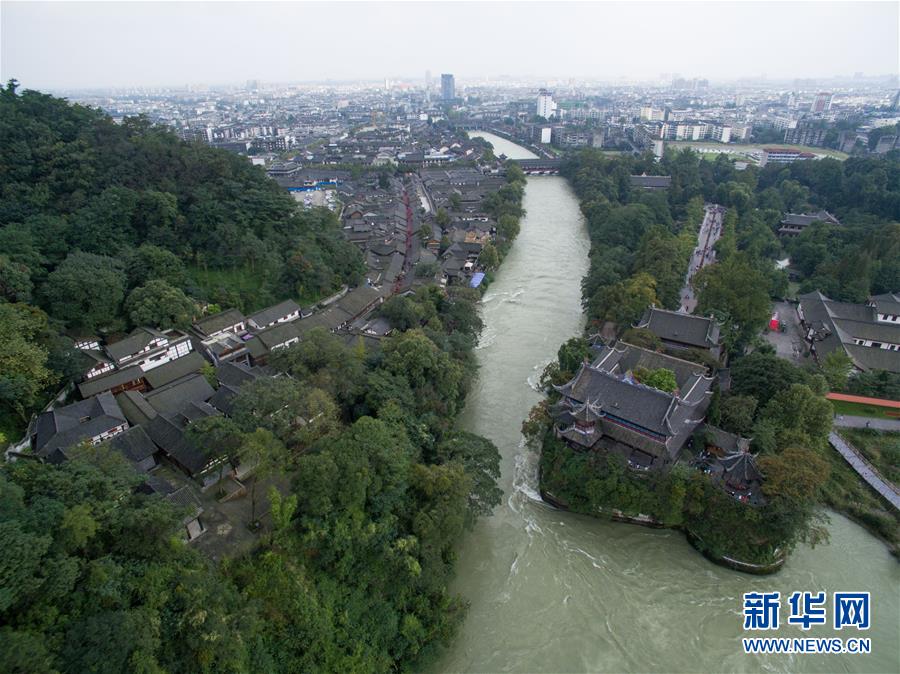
(790, 343)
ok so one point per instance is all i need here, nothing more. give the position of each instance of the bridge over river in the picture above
(543, 167)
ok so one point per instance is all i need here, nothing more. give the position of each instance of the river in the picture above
(552, 591)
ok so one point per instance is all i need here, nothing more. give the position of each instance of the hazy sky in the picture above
(97, 44)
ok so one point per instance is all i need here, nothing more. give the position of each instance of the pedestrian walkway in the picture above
(704, 253)
(849, 421)
(865, 470)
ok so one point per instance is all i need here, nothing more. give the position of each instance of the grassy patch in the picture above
(859, 410)
(240, 280)
(248, 285)
(881, 448)
(847, 493)
(741, 147)
(12, 428)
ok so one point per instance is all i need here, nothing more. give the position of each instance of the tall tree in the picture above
(85, 291)
(158, 304)
(737, 290)
(24, 373)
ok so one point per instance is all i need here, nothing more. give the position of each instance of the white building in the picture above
(822, 102)
(546, 107)
(719, 133)
(784, 123)
(775, 155)
(649, 114)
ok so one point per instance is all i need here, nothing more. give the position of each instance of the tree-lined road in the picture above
(704, 253)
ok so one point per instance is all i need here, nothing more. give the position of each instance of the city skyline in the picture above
(82, 45)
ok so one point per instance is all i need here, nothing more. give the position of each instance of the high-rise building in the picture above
(448, 87)
(805, 133)
(822, 102)
(546, 108)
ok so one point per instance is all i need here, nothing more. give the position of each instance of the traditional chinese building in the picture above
(726, 458)
(605, 408)
(684, 331)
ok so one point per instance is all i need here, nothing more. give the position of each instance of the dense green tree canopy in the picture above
(91, 580)
(739, 293)
(159, 304)
(86, 291)
(24, 367)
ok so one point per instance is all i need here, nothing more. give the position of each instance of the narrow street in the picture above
(704, 253)
(404, 277)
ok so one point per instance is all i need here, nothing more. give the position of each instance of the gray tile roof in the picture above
(327, 319)
(135, 407)
(216, 322)
(223, 398)
(805, 219)
(176, 369)
(837, 324)
(174, 396)
(134, 444)
(168, 433)
(278, 334)
(110, 381)
(620, 396)
(624, 357)
(133, 343)
(871, 358)
(729, 442)
(698, 331)
(358, 300)
(234, 374)
(64, 427)
(740, 470)
(169, 436)
(272, 314)
(888, 303)
(650, 181)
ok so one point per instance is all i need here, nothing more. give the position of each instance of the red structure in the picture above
(863, 400)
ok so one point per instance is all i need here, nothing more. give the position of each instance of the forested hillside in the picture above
(104, 226)
(351, 577)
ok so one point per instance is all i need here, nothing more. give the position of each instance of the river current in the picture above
(552, 591)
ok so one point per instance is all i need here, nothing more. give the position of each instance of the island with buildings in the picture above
(702, 394)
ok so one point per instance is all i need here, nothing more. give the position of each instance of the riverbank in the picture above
(605, 489)
(693, 539)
